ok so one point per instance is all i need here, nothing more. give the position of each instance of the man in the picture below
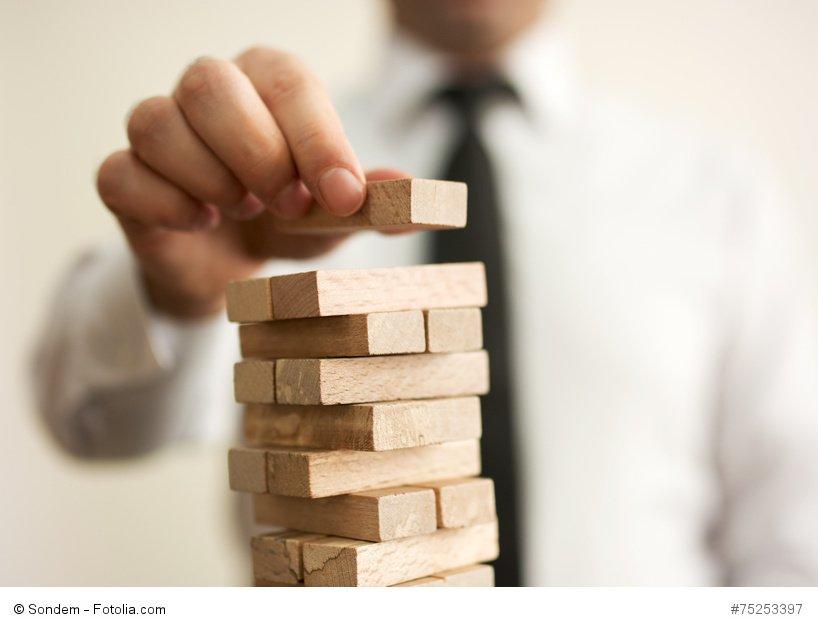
(657, 415)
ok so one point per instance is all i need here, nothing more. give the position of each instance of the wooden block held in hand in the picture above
(277, 557)
(395, 203)
(354, 291)
(379, 378)
(463, 501)
(453, 330)
(340, 562)
(319, 473)
(247, 468)
(250, 300)
(346, 335)
(372, 426)
(254, 381)
(481, 575)
(376, 515)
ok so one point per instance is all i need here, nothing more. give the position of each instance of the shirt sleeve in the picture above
(767, 446)
(112, 378)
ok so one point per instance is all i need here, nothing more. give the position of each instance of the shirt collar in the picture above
(539, 66)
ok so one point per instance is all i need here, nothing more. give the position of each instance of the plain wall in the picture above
(70, 71)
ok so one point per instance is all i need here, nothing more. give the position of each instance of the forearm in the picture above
(112, 380)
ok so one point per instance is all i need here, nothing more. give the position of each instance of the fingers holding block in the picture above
(396, 203)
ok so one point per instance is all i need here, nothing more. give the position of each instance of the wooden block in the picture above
(277, 557)
(374, 426)
(355, 291)
(481, 575)
(336, 561)
(376, 515)
(320, 473)
(463, 501)
(247, 468)
(250, 300)
(396, 203)
(453, 330)
(254, 381)
(378, 378)
(346, 335)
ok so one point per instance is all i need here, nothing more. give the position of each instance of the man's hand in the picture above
(234, 139)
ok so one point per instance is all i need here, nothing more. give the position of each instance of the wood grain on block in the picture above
(481, 575)
(249, 300)
(354, 291)
(254, 381)
(247, 468)
(454, 330)
(373, 427)
(463, 501)
(341, 562)
(277, 557)
(346, 335)
(420, 203)
(320, 473)
(376, 515)
(380, 378)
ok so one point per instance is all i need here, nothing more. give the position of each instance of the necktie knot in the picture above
(467, 98)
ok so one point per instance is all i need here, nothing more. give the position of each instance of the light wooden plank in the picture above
(277, 557)
(378, 378)
(396, 203)
(376, 515)
(320, 473)
(373, 426)
(357, 291)
(453, 330)
(340, 562)
(254, 381)
(247, 468)
(481, 575)
(370, 334)
(250, 300)
(463, 501)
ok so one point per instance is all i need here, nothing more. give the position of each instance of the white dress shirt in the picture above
(665, 355)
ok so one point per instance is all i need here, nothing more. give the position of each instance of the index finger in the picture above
(320, 149)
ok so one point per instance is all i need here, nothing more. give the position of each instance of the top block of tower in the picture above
(357, 291)
(392, 204)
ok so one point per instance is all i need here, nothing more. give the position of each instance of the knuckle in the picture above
(265, 171)
(150, 120)
(288, 77)
(203, 78)
(110, 179)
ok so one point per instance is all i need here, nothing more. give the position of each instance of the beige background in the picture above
(743, 69)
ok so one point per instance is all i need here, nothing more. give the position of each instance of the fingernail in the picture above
(342, 191)
(248, 208)
(206, 218)
(293, 201)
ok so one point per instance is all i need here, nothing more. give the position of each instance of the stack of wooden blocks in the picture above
(361, 423)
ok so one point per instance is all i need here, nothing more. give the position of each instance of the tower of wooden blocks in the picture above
(362, 421)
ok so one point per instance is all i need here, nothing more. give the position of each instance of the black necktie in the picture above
(482, 239)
